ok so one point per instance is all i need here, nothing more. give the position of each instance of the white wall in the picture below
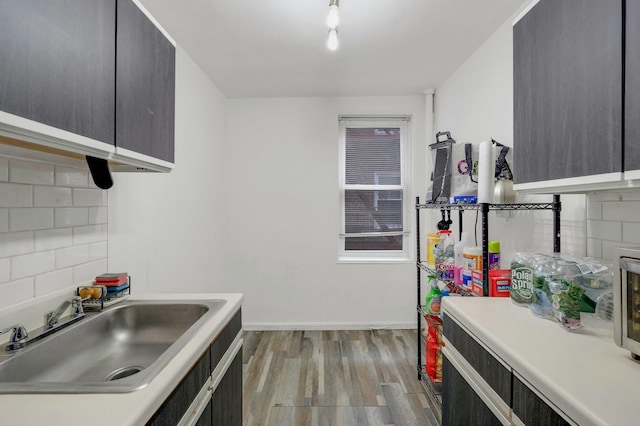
(284, 216)
(169, 230)
(53, 226)
(476, 104)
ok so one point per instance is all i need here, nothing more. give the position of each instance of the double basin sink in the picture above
(120, 349)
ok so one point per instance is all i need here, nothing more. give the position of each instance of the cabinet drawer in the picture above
(464, 407)
(497, 376)
(531, 409)
(224, 339)
(174, 407)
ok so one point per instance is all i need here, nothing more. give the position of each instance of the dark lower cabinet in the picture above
(531, 409)
(145, 85)
(461, 406)
(227, 399)
(57, 64)
(225, 406)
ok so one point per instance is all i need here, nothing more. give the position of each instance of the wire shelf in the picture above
(510, 206)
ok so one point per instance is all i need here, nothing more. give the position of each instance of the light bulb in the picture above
(333, 19)
(332, 42)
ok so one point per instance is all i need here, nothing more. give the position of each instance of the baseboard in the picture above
(275, 326)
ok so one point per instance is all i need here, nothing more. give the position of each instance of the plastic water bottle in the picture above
(458, 250)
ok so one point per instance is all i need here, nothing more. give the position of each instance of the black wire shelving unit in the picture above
(434, 389)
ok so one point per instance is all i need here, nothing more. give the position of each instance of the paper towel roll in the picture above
(486, 172)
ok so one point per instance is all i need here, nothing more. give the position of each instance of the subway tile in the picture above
(594, 248)
(608, 247)
(29, 219)
(71, 216)
(97, 215)
(14, 292)
(87, 234)
(51, 239)
(87, 197)
(30, 172)
(4, 169)
(32, 264)
(71, 256)
(68, 176)
(15, 195)
(631, 195)
(98, 250)
(605, 196)
(594, 209)
(623, 211)
(89, 271)
(5, 270)
(610, 231)
(51, 196)
(16, 243)
(631, 232)
(4, 220)
(53, 281)
(105, 198)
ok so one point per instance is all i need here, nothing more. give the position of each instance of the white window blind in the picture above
(373, 179)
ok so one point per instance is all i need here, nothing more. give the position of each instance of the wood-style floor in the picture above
(333, 378)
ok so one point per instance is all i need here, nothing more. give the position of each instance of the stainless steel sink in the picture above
(118, 350)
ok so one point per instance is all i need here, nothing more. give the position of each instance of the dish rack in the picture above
(104, 300)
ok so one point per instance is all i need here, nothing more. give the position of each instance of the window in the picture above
(374, 195)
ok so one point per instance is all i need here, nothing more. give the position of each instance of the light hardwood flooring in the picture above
(333, 378)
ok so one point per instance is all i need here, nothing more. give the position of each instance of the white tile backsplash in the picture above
(50, 239)
(16, 243)
(71, 256)
(53, 281)
(15, 195)
(30, 172)
(23, 219)
(5, 270)
(618, 224)
(66, 176)
(87, 234)
(87, 197)
(53, 224)
(4, 220)
(15, 292)
(71, 216)
(4, 169)
(51, 196)
(623, 211)
(32, 264)
(97, 215)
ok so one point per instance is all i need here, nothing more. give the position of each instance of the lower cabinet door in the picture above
(227, 398)
(460, 403)
(531, 409)
(205, 418)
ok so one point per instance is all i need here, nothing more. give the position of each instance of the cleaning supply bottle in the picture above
(472, 259)
(432, 301)
(494, 254)
(458, 249)
(444, 256)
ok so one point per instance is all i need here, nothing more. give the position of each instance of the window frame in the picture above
(377, 256)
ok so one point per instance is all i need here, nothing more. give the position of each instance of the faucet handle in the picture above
(76, 306)
(19, 332)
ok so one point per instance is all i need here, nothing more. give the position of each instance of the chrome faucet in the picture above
(19, 333)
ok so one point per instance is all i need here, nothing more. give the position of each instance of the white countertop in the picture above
(132, 408)
(584, 373)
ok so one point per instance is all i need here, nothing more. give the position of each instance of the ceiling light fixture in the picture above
(333, 19)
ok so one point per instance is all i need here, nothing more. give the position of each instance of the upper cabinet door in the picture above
(568, 91)
(56, 64)
(145, 85)
(632, 91)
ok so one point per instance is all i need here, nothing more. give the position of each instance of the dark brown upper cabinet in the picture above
(568, 94)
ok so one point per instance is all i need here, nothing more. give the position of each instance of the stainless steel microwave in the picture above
(626, 300)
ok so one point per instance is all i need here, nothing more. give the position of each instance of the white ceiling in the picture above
(277, 48)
